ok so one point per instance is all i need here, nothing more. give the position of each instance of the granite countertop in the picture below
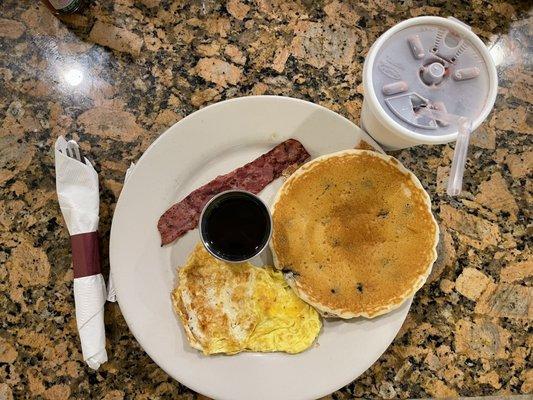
(121, 73)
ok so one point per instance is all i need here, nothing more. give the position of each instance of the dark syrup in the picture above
(235, 226)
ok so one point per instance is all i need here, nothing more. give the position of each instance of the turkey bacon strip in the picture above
(252, 177)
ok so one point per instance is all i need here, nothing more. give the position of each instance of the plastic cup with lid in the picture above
(426, 62)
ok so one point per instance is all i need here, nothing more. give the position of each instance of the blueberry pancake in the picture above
(354, 234)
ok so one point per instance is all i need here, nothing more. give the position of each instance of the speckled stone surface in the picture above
(118, 75)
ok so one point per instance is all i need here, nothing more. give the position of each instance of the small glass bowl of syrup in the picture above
(235, 226)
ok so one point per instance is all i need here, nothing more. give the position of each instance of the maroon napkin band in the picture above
(85, 254)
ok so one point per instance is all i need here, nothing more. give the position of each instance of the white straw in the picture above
(455, 180)
(464, 129)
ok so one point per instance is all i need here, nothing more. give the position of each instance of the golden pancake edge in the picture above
(354, 234)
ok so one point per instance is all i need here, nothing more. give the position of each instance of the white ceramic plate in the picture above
(210, 142)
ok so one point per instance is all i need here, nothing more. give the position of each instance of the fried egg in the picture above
(233, 307)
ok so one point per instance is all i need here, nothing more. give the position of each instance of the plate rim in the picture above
(239, 99)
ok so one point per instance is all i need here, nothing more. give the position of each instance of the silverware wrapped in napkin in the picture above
(78, 195)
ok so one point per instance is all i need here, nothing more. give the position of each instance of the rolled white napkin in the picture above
(79, 200)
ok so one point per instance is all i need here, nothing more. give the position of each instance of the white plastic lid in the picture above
(431, 62)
